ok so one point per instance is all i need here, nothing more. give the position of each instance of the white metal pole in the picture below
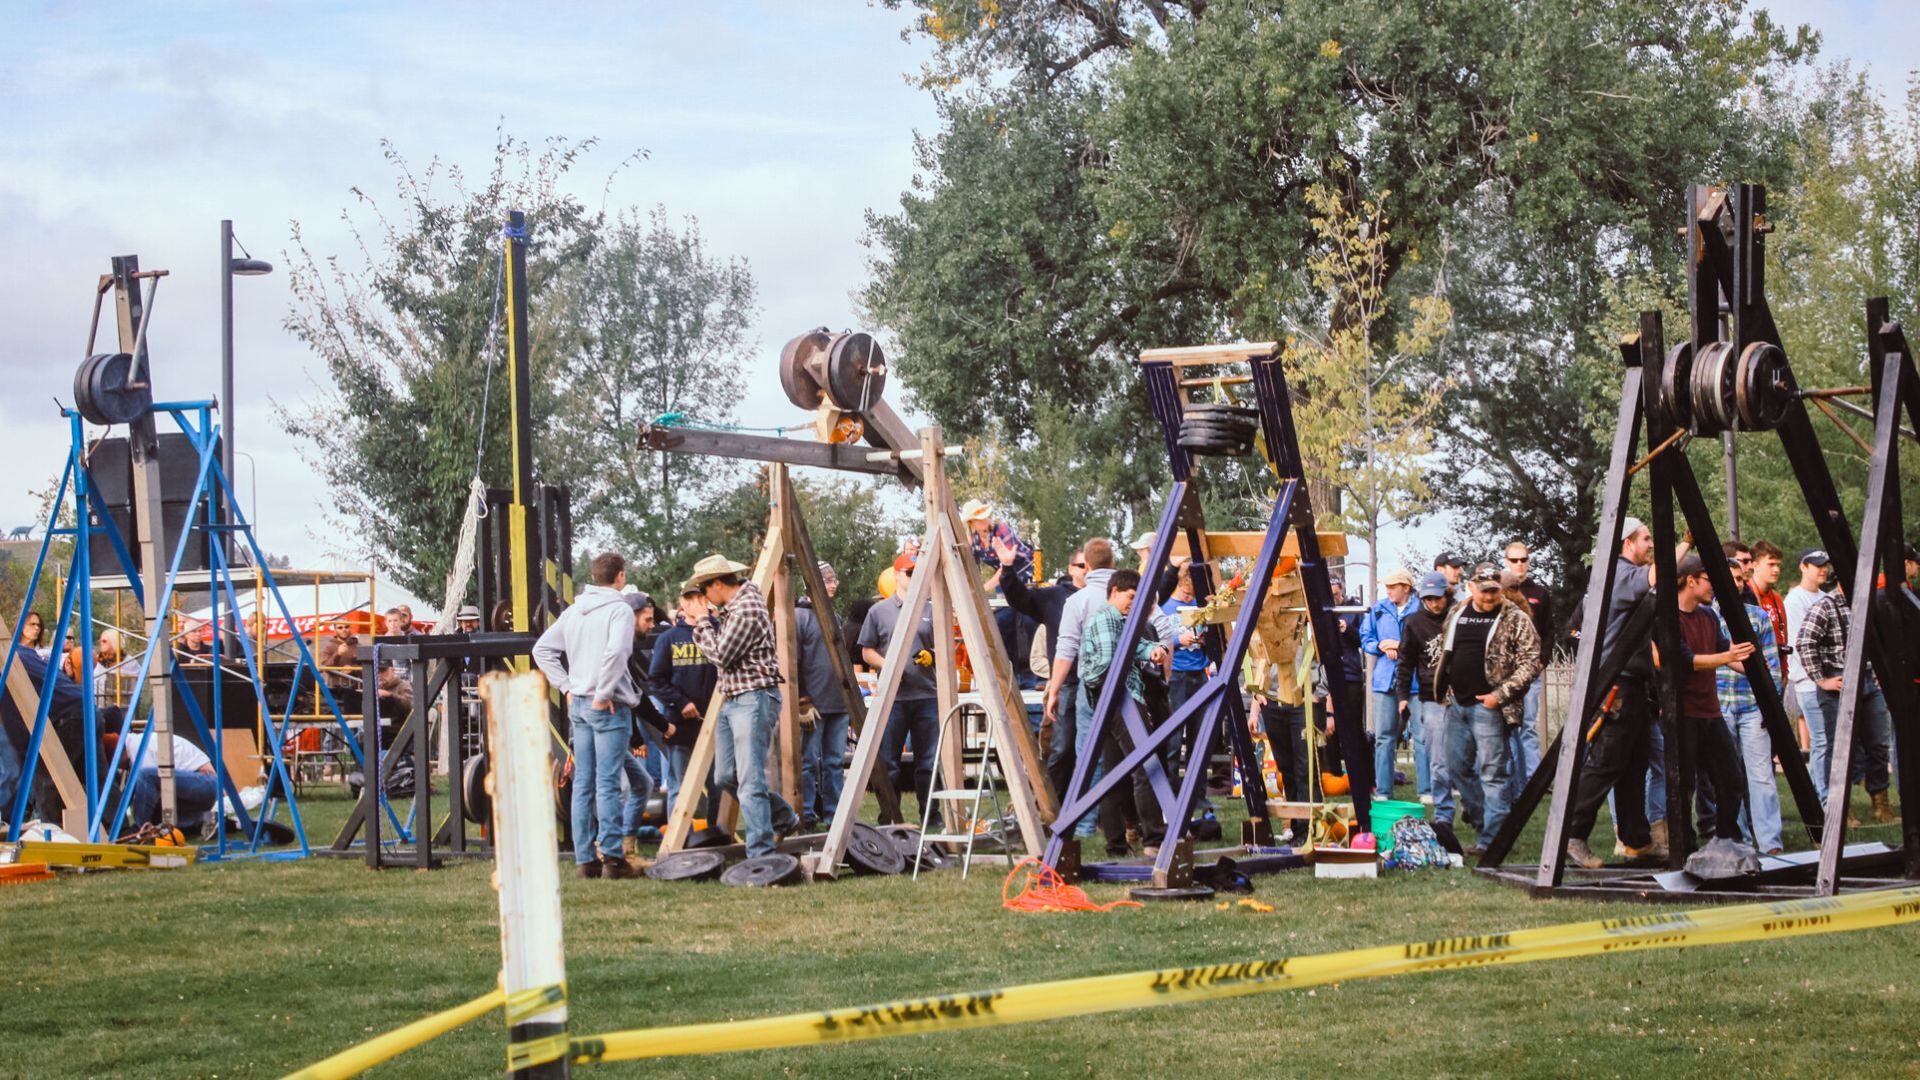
(533, 958)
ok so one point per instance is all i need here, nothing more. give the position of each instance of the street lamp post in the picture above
(247, 266)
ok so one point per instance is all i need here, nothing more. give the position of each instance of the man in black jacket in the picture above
(1044, 604)
(1525, 740)
(1421, 635)
(823, 757)
(681, 679)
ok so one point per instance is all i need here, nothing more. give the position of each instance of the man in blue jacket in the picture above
(1380, 638)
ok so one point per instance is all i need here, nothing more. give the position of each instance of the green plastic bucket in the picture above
(1388, 811)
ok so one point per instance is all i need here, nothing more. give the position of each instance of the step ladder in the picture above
(982, 790)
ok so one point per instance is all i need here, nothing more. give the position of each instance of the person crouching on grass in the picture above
(584, 655)
(738, 638)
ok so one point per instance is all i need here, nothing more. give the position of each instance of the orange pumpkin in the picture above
(1335, 783)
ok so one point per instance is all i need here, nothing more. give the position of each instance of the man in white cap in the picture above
(1380, 639)
(734, 629)
(1617, 758)
(468, 620)
(584, 655)
(983, 533)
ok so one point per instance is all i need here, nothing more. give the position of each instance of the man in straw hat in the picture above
(731, 623)
(985, 536)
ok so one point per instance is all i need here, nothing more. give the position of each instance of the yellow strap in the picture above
(1175, 986)
(358, 1059)
(525, 1003)
(526, 1055)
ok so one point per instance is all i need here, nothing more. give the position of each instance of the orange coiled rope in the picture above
(1043, 889)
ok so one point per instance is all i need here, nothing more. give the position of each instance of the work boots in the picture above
(630, 851)
(1883, 809)
(1580, 855)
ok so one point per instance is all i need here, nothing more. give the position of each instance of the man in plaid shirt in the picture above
(738, 639)
(1098, 644)
(1821, 647)
(1742, 715)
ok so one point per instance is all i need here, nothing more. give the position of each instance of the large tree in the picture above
(658, 326)
(1116, 176)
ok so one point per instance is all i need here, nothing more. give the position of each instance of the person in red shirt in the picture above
(1717, 760)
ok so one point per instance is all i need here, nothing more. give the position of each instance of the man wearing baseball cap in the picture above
(983, 535)
(1420, 635)
(731, 622)
(1814, 566)
(1617, 757)
(1454, 567)
(915, 716)
(1489, 655)
(1380, 638)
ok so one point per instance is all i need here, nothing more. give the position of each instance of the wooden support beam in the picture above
(1192, 355)
(845, 457)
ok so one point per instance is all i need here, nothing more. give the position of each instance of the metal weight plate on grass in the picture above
(1191, 892)
(688, 866)
(101, 393)
(778, 868)
(869, 851)
(907, 839)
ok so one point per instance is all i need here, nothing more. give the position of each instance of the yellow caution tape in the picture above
(358, 1059)
(1173, 986)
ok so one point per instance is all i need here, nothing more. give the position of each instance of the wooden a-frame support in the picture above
(944, 577)
(53, 755)
(1732, 276)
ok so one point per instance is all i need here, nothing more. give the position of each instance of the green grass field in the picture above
(246, 969)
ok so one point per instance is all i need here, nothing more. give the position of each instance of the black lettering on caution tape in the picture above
(1427, 950)
(917, 1011)
(1175, 980)
(1636, 923)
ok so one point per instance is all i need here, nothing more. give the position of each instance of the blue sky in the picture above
(136, 128)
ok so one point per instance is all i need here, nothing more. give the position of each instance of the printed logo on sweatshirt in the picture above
(688, 654)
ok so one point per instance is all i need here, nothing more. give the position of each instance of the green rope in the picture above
(682, 420)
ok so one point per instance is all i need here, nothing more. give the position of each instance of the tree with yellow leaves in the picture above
(1364, 406)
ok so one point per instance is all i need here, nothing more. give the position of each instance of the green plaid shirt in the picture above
(1097, 644)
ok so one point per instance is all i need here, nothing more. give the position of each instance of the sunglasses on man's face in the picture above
(1522, 559)
(1077, 566)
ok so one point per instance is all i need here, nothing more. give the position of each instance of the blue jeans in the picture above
(1523, 744)
(193, 796)
(1433, 733)
(1483, 731)
(1872, 739)
(659, 762)
(740, 766)
(1749, 731)
(599, 747)
(1083, 731)
(916, 721)
(824, 765)
(1387, 726)
(1656, 771)
(640, 785)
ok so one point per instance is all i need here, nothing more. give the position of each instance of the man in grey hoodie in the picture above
(584, 655)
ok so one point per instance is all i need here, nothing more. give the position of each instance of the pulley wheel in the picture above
(778, 868)
(688, 866)
(797, 373)
(869, 851)
(1190, 892)
(106, 398)
(1676, 385)
(475, 804)
(856, 372)
(1764, 387)
(1713, 377)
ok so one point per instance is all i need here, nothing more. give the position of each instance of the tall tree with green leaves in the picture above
(1116, 176)
(402, 324)
(659, 325)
